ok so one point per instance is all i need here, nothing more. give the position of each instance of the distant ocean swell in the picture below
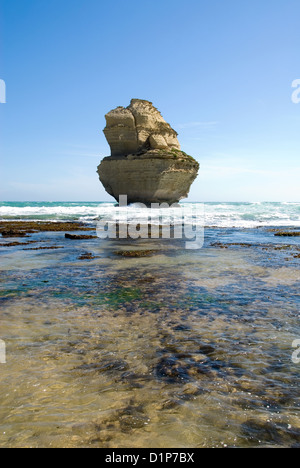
(240, 215)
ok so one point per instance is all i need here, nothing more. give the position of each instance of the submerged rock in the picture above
(136, 253)
(146, 162)
(86, 256)
(287, 234)
(79, 236)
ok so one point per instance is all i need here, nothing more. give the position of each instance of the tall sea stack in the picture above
(146, 161)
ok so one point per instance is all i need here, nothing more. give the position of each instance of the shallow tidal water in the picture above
(176, 348)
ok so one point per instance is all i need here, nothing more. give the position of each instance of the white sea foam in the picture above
(240, 215)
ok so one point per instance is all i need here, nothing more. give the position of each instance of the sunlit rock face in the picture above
(146, 161)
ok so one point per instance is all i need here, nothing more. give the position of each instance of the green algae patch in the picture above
(118, 297)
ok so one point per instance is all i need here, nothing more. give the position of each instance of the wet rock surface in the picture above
(79, 236)
(287, 234)
(86, 256)
(136, 253)
(22, 228)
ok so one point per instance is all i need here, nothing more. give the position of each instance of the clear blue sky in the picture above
(220, 71)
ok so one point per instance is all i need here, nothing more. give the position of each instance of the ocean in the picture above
(130, 343)
(242, 215)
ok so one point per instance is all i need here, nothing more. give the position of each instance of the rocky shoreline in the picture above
(13, 233)
(23, 228)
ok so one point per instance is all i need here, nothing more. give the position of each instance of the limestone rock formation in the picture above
(146, 162)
